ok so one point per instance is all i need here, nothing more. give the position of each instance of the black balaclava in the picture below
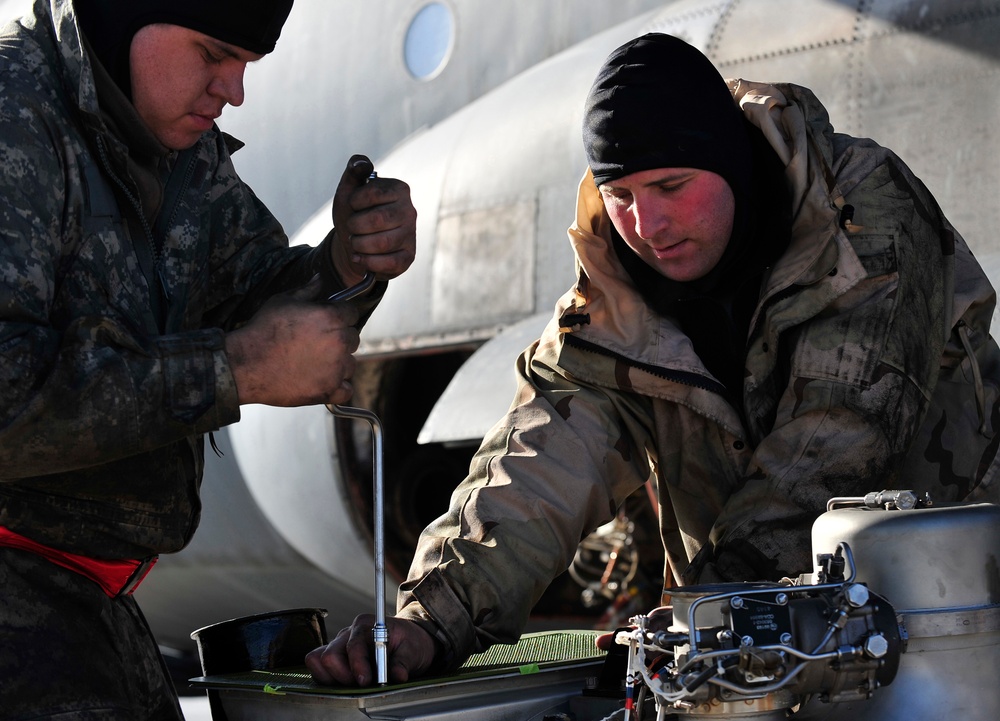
(658, 102)
(110, 25)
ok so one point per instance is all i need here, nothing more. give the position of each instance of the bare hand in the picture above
(294, 352)
(375, 222)
(659, 620)
(348, 659)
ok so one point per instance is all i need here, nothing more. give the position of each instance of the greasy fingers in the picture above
(295, 353)
(375, 222)
(349, 659)
(604, 641)
(382, 233)
(328, 664)
(346, 660)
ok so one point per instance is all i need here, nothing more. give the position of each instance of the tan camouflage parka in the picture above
(103, 405)
(870, 366)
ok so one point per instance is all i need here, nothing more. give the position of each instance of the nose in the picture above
(227, 84)
(649, 218)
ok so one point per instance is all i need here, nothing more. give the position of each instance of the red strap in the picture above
(114, 577)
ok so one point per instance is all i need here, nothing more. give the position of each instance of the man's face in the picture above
(678, 220)
(182, 79)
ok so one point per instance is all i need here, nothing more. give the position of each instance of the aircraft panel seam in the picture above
(855, 75)
(928, 27)
(717, 31)
(665, 22)
(784, 52)
(936, 25)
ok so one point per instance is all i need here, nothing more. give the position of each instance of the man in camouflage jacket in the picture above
(865, 363)
(138, 311)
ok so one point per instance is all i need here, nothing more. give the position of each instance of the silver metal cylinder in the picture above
(938, 567)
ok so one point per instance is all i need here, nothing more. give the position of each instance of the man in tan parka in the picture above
(768, 314)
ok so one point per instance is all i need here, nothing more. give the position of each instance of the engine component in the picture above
(606, 561)
(754, 650)
(938, 564)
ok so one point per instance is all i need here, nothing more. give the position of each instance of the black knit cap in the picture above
(110, 25)
(658, 102)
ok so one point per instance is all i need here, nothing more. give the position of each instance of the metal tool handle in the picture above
(367, 282)
(354, 291)
(380, 632)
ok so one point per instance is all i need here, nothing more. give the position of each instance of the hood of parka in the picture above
(60, 20)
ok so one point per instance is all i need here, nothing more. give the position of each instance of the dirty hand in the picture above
(659, 620)
(294, 352)
(349, 659)
(375, 223)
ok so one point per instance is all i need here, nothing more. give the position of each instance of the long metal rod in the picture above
(380, 632)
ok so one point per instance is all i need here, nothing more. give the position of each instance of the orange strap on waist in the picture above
(116, 578)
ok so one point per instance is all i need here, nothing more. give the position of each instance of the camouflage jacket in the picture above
(870, 366)
(105, 400)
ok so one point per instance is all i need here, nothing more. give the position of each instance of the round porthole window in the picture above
(428, 40)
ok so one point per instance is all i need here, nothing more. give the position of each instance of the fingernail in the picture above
(362, 680)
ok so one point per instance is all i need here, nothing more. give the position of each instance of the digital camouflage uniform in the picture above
(869, 366)
(112, 346)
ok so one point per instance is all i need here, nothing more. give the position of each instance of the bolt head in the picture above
(856, 594)
(876, 646)
(906, 500)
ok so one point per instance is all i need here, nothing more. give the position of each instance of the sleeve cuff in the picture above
(437, 610)
(200, 389)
